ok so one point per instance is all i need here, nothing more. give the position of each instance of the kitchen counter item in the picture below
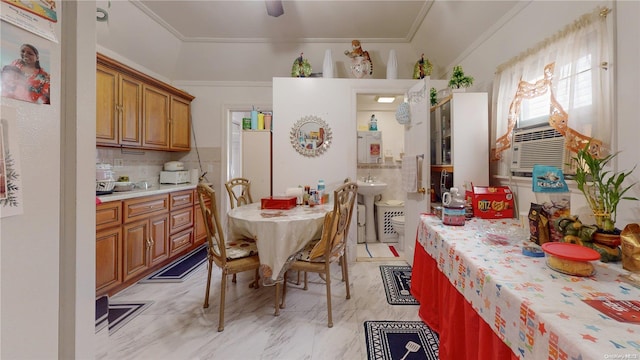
(123, 186)
(174, 177)
(174, 166)
(104, 186)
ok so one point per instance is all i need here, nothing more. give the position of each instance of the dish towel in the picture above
(409, 173)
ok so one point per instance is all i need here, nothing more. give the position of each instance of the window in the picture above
(562, 82)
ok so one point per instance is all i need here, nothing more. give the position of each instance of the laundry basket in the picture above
(385, 210)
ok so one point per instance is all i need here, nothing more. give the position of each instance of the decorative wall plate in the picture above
(310, 136)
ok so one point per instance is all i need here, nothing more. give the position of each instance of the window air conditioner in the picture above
(538, 146)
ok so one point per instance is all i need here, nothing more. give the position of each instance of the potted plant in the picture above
(602, 188)
(459, 80)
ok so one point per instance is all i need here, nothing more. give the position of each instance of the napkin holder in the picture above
(278, 202)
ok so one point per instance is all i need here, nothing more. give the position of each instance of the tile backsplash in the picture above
(146, 165)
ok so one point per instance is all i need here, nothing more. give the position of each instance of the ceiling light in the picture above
(385, 99)
(274, 8)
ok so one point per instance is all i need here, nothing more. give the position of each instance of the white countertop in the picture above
(155, 190)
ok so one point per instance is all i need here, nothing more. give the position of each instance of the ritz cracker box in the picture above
(492, 202)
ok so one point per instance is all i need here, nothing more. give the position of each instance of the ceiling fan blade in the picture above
(274, 7)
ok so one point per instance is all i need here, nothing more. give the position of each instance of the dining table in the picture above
(487, 299)
(279, 233)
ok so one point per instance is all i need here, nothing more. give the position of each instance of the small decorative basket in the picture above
(105, 185)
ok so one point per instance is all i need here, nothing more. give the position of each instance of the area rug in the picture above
(121, 313)
(397, 282)
(377, 252)
(405, 340)
(180, 269)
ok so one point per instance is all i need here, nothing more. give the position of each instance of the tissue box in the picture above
(492, 202)
(278, 202)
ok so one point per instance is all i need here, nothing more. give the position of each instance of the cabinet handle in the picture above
(151, 242)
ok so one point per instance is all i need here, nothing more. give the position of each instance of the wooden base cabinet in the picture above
(135, 237)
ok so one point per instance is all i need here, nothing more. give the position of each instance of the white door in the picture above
(416, 145)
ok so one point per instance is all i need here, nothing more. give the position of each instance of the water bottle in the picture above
(320, 191)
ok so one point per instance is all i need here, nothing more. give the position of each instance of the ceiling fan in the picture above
(274, 7)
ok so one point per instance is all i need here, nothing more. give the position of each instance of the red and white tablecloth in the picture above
(485, 299)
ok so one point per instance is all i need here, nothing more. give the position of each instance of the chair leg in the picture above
(255, 284)
(284, 292)
(345, 275)
(223, 289)
(306, 283)
(206, 293)
(277, 303)
(328, 281)
(233, 280)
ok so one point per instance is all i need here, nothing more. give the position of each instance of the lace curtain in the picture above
(567, 71)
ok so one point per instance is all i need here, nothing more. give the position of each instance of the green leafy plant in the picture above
(602, 188)
(433, 96)
(458, 79)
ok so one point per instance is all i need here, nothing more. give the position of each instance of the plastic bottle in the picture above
(373, 123)
(321, 189)
(453, 212)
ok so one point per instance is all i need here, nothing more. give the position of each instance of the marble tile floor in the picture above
(177, 327)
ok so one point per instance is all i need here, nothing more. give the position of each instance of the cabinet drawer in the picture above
(108, 214)
(180, 199)
(140, 208)
(181, 219)
(180, 241)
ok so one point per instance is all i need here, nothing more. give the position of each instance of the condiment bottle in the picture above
(321, 191)
(453, 211)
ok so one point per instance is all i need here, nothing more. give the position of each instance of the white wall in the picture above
(334, 101)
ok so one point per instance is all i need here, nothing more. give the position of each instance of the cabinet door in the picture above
(156, 119)
(159, 228)
(136, 244)
(106, 106)
(199, 229)
(131, 111)
(180, 138)
(108, 266)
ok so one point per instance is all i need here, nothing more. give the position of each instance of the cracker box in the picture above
(492, 202)
(278, 202)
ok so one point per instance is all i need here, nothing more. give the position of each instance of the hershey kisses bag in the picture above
(630, 244)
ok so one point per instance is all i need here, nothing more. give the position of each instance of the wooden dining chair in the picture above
(231, 257)
(318, 255)
(239, 190)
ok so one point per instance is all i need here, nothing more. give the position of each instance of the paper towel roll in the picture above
(195, 176)
(297, 192)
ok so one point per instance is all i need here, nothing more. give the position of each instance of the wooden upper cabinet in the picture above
(156, 118)
(134, 110)
(180, 138)
(106, 106)
(130, 111)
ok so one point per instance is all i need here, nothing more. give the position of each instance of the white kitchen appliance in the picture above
(174, 166)
(174, 177)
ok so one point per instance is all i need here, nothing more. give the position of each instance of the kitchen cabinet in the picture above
(145, 234)
(199, 228)
(134, 110)
(181, 221)
(137, 236)
(256, 161)
(460, 141)
(108, 246)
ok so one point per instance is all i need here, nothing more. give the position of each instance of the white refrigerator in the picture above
(256, 162)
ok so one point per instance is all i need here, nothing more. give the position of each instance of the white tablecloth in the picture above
(279, 234)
